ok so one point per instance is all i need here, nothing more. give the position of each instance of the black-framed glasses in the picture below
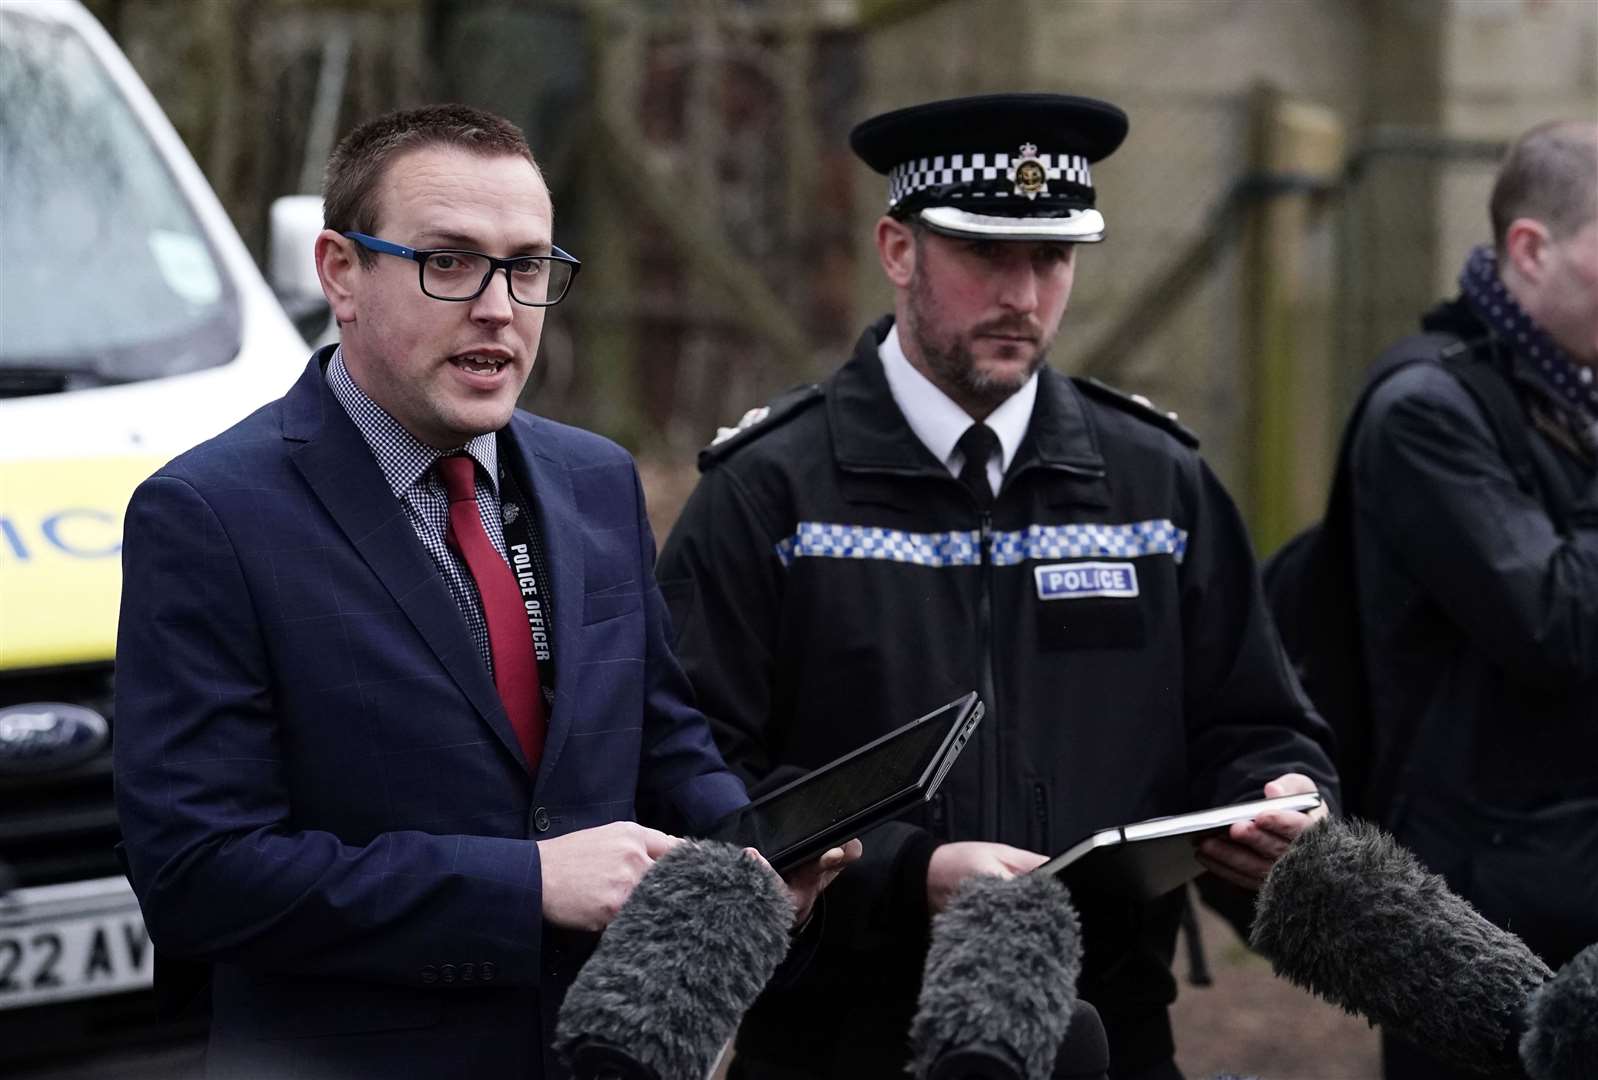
(458, 275)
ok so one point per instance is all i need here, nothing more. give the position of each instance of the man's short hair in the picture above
(357, 165)
(1549, 175)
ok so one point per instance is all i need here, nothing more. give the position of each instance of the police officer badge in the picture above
(749, 420)
(1028, 173)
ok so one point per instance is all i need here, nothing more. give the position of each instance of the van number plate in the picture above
(61, 958)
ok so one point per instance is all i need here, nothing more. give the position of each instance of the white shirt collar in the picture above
(938, 422)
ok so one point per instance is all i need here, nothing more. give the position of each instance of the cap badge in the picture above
(1028, 173)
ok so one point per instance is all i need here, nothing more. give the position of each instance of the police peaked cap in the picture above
(998, 167)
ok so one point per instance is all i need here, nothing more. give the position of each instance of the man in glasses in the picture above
(393, 692)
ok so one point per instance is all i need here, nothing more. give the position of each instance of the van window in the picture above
(106, 274)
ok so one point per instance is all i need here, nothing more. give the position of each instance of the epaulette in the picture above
(757, 422)
(1139, 406)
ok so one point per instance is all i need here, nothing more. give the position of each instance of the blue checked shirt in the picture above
(407, 462)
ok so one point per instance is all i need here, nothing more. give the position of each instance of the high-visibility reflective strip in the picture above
(1090, 541)
(828, 540)
(818, 539)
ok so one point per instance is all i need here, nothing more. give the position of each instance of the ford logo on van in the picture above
(43, 736)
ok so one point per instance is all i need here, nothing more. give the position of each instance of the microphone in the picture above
(1351, 915)
(677, 968)
(998, 992)
(1561, 1038)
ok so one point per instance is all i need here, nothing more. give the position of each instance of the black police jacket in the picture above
(1479, 617)
(829, 580)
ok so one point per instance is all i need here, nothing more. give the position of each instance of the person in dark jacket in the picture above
(946, 513)
(1478, 591)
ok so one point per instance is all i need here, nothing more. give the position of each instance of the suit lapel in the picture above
(337, 463)
(549, 486)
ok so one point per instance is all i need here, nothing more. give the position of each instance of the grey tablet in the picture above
(1150, 858)
(840, 800)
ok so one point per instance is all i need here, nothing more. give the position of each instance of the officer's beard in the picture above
(950, 362)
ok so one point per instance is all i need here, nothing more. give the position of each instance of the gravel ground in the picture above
(1253, 1024)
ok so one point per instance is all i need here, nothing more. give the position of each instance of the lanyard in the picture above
(524, 544)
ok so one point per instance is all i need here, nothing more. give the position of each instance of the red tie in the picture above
(510, 640)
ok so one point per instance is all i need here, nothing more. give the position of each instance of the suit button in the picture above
(429, 974)
(486, 971)
(541, 819)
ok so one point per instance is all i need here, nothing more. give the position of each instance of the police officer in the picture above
(947, 513)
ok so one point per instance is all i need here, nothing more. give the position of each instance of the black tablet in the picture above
(840, 800)
(1150, 858)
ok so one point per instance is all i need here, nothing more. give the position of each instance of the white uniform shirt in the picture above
(938, 422)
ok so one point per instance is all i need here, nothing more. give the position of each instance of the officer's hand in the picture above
(589, 875)
(953, 863)
(1246, 854)
(808, 881)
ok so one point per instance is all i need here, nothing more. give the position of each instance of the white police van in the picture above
(133, 324)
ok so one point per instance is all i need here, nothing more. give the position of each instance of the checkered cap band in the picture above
(987, 176)
(816, 539)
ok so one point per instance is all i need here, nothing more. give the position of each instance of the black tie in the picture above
(978, 444)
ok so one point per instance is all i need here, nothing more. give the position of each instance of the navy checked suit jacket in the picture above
(319, 790)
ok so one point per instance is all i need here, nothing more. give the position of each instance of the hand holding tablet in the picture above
(1150, 858)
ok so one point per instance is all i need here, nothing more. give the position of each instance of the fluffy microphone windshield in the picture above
(1000, 975)
(1561, 1038)
(681, 962)
(1351, 915)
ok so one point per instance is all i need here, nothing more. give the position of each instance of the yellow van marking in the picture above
(60, 557)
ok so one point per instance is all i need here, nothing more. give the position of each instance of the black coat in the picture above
(805, 641)
(1479, 615)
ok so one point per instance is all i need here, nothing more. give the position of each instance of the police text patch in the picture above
(1073, 581)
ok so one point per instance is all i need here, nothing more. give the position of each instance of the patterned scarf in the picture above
(1566, 380)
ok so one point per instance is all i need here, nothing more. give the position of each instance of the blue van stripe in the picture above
(819, 539)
